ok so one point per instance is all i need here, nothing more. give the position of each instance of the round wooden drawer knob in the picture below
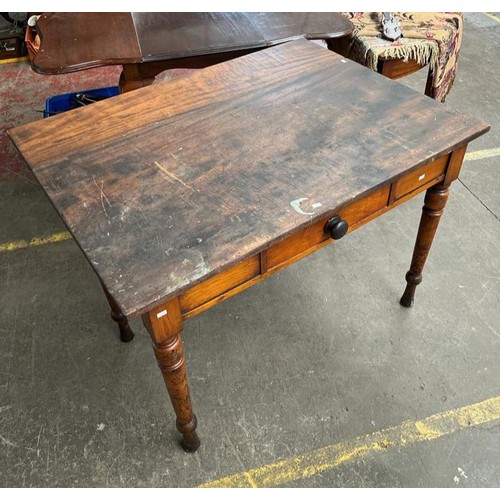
(336, 227)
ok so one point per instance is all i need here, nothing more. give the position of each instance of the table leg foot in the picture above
(434, 203)
(190, 441)
(164, 324)
(412, 280)
(408, 298)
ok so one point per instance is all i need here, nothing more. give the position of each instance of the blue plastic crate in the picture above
(60, 103)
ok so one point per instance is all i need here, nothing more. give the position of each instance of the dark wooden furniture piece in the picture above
(391, 67)
(147, 43)
(185, 193)
(397, 68)
(12, 44)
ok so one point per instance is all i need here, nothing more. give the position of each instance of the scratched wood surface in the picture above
(72, 41)
(168, 185)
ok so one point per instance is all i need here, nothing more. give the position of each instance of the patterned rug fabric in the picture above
(428, 37)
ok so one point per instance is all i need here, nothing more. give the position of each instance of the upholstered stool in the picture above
(429, 39)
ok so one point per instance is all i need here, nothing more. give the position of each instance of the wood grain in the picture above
(434, 203)
(313, 235)
(297, 247)
(397, 68)
(455, 164)
(72, 41)
(164, 324)
(202, 293)
(137, 75)
(421, 176)
(172, 184)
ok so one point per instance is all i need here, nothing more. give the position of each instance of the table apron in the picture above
(297, 246)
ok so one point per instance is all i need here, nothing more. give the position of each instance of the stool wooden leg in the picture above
(428, 83)
(435, 201)
(164, 324)
(126, 333)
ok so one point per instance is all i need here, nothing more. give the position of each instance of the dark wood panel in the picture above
(166, 35)
(71, 41)
(397, 68)
(172, 184)
(280, 26)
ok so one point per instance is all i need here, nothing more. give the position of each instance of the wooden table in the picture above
(147, 43)
(185, 193)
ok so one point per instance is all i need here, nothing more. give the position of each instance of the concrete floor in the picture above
(318, 354)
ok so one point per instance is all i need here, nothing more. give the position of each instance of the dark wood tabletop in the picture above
(171, 184)
(73, 41)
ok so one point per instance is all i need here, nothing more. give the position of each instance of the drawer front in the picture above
(420, 177)
(10, 47)
(223, 282)
(315, 235)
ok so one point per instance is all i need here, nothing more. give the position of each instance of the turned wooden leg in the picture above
(434, 203)
(126, 333)
(164, 324)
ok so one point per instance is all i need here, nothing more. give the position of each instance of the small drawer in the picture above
(219, 284)
(420, 177)
(313, 236)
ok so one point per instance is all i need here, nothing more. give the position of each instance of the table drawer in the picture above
(420, 177)
(11, 47)
(208, 290)
(313, 236)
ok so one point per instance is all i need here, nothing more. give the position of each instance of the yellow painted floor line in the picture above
(484, 153)
(492, 16)
(399, 436)
(14, 59)
(52, 238)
